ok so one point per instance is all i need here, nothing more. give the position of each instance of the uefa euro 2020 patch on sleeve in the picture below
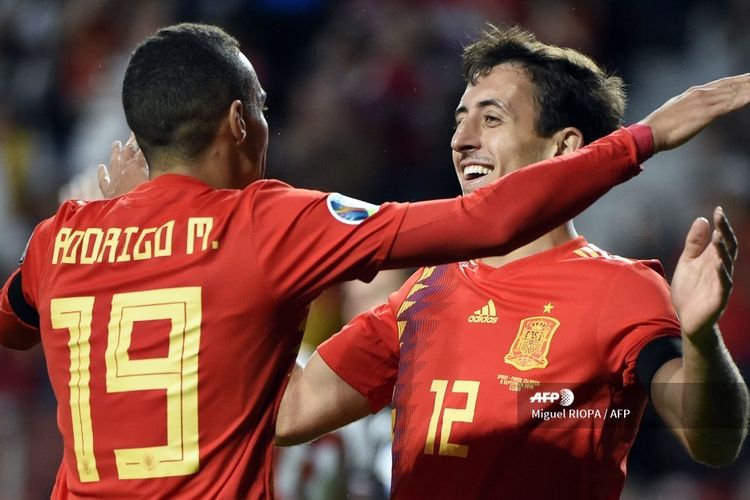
(349, 210)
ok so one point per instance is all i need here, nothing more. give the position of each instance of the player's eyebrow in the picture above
(485, 103)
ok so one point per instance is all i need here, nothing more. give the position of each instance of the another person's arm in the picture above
(350, 376)
(702, 396)
(491, 221)
(316, 401)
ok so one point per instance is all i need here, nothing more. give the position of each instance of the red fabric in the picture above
(518, 208)
(269, 249)
(14, 333)
(607, 308)
(138, 261)
(644, 141)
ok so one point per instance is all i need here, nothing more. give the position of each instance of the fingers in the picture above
(721, 222)
(728, 94)
(726, 281)
(116, 150)
(724, 240)
(727, 262)
(104, 180)
(697, 238)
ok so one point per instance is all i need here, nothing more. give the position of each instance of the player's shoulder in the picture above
(625, 267)
(263, 184)
(421, 279)
(82, 210)
(69, 208)
(276, 194)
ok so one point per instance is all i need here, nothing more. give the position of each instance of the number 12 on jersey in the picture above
(177, 373)
(450, 415)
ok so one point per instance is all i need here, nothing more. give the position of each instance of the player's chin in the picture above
(469, 186)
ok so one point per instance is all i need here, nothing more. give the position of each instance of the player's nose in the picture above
(466, 137)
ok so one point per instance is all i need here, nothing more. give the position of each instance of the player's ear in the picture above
(568, 140)
(237, 124)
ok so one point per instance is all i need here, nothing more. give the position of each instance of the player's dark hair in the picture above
(179, 84)
(570, 89)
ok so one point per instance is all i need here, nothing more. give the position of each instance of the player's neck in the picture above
(213, 168)
(558, 236)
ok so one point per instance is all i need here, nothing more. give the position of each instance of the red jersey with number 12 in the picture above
(515, 382)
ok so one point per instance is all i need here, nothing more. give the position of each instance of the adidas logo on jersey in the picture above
(486, 314)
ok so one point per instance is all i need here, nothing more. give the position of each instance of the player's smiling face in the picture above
(495, 132)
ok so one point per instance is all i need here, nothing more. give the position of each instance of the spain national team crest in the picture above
(530, 348)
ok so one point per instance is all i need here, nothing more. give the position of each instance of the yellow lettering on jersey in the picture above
(90, 251)
(129, 232)
(163, 244)
(72, 246)
(62, 240)
(142, 250)
(74, 314)
(199, 227)
(96, 245)
(450, 416)
(177, 374)
(111, 239)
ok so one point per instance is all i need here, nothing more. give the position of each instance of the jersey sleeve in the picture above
(307, 240)
(520, 206)
(638, 310)
(19, 316)
(365, 353)
(33, 262)
(19, 322)
(310, 240)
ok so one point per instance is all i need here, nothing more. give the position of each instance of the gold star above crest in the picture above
(548, 307)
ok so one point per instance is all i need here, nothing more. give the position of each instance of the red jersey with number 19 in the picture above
(176, 314)
(515, 382)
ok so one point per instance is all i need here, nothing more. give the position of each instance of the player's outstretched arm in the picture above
(683, 116)
(127, 169)
(529, 202)
(703, 398)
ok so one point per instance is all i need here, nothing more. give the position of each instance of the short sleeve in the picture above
(307, 240)
(637, 310)
(33, 260)
(365, 354)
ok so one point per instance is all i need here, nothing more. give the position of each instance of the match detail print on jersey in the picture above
(349, 210)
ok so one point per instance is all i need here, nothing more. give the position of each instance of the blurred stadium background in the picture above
(361, 98)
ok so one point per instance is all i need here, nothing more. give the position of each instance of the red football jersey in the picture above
(510, 382)
(170, 319)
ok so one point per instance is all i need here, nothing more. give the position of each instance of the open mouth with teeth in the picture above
(475, 172)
